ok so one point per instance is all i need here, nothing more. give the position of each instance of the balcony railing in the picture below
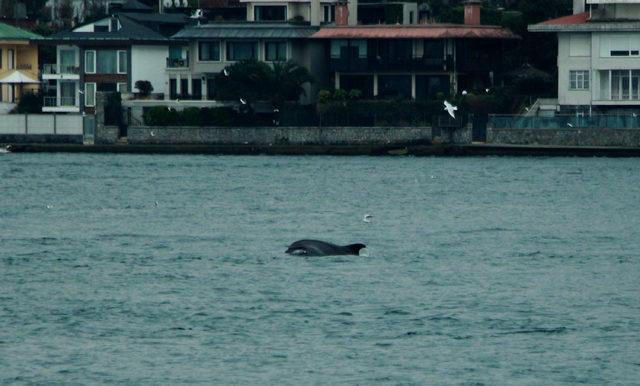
(354, 63)
(24, 66)
(177, 62)
(53, 69)
(59, 102)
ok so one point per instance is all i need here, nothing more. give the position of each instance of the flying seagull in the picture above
(448, 107)
(244, 102)
(225, 72)
(464, 92)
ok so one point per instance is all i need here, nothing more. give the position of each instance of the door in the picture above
(479, 130)
(88, 128)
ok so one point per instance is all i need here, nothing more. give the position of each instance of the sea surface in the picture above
(158, 269)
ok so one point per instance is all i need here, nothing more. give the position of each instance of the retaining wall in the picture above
(565, 137)
(278, 135)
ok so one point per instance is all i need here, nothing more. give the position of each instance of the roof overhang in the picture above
(432, 31)
(246, 31)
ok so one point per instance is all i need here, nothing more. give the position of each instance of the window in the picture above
(329, 12)
(275, 51)
(242, 51)
(89, 94)
(578, 80)
(175, 52)
(361, 47)
(336, 48)
(106, 62)
(10, 59)
(209, 51)
(122, 87)
(90, 62)
(67, 94)
(625, 84)
(67, 61)
(196, 88)
(269, 13)
(122, 62)
(411, 17)
(433, 49)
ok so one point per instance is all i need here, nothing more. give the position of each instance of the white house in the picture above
(598, 55)
(111, 54)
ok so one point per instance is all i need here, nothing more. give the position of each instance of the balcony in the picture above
(177, 63)
(61, 104)
(53, 71)
(354, 63)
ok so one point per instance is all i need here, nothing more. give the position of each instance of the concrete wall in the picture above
(278, 135)
(148, 63)
(41, 124)
(565, 137)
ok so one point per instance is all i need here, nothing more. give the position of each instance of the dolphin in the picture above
(322, 248)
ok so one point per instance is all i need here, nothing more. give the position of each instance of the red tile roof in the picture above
(578, 18)
(421, 31)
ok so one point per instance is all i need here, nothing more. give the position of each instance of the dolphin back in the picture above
(322, 248)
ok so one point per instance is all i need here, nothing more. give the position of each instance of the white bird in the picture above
(6, 149)
(448, 107)
(225, 72)
(244, 102)
(569, 124)
(197, 14)
(464, 92)
(487, 90)
(367, 218)
(153, 134)
(155, 203)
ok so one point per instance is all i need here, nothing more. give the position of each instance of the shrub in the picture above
(324, 96)
(29, 103)
(355, 94)
(190, 116)
(145, 87)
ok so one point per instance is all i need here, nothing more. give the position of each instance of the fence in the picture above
(565, 122)
(41, 124)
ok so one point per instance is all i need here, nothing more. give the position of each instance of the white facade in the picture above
(148, 63)
(608, 61)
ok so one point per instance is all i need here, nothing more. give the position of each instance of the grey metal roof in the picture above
(248, 30)
(129, 31)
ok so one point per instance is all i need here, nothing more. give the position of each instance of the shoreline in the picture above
(456, 150)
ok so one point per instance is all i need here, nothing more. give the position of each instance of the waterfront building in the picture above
(415, 61)
(110, 54)
(598, 56)
(18, 64)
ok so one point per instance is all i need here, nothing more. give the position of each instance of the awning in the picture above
(18, 77)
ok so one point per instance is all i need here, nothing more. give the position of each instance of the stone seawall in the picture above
(565, 137)
(278, 135)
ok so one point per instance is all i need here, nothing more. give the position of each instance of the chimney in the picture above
(472, 12)
(315, 13)
(578, 6)
(342, 14)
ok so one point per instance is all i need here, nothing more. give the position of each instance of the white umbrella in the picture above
(18, 77)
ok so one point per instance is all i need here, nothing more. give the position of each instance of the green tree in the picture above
(65, 13)
(258, 81)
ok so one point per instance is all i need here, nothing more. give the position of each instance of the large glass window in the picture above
(360, 47)
(433, 49)
(67, 60)
(67, 94)
(242, 51)
(625, 85)
(106, 62)
(275, 51)
(336, 48)
(578, 80)
(269, 13)
(90, 62)
(209, 51)
(329, 13)
(122, 62)
(90, 94)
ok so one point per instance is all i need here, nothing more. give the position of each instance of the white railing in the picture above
(59, 102)
(41, 124)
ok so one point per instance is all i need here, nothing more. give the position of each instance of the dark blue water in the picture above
(478, 270)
